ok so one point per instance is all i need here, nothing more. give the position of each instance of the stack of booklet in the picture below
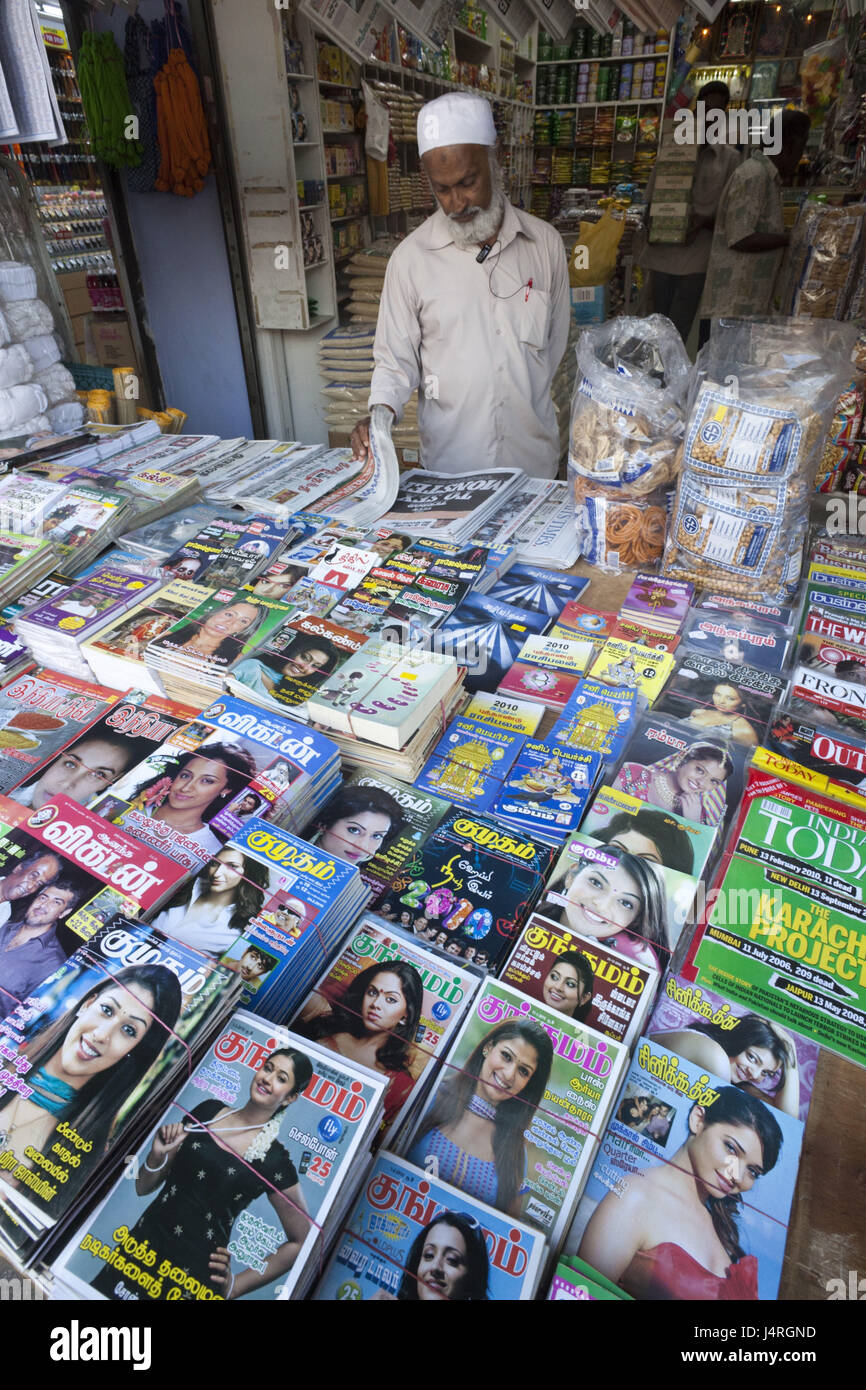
(54, 631)
(545, 1083)
(42, 712)
(115, 654)
(242, 1182)
(700, 1129)
(193, 658)
(83, 521)
(24, 560)
(66, 873)
(385, 692)
(156, 540)
(389, 1003)
(91, 1061)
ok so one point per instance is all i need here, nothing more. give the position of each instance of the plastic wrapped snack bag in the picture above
(762, 403)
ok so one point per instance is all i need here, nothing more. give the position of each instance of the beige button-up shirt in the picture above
(479, 343)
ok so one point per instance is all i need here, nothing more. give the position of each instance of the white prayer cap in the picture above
(458, 118)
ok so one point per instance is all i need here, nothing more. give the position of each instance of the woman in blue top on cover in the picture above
(474, 1129)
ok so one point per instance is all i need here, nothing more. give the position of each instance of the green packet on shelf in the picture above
(575, 1279)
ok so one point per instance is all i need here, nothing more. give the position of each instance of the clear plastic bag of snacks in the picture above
(762, 402)
(627, 413)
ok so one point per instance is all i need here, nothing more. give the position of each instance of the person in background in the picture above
(677, 273)
(475, 310)
(749, 236)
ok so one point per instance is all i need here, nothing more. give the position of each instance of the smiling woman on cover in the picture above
(211, 910)
(567, 986)
(205, 1188)
(690, 783)
(220, 636)
(447, 1262)
(193, 788)
(752, 1056)
(86, 1064)
(670, 1232)
(475, 1126)
(358, 823)
(617, 898)
(374, 1023)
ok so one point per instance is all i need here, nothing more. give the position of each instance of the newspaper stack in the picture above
(447, 506)
(170, 1006)
(217, 1190)
(537, 521)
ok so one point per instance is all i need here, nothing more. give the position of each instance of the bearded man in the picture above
(475, 310)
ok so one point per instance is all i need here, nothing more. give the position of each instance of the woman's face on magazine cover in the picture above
(696, 776)
(357, 837)
(602, 899)
(106, 1029)
(227, 622)
(442, 1268)
(726, 699)
(225, 870)
(196, 786)
(384, 1003)
(562, 989)
(507, 1067)
(307, 662)
(274, 1082)
(726, 1158)
(753, 1065)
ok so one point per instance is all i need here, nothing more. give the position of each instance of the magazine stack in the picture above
(241, 1184)
(389, 1004)
(211, 776)
(90, 1059)
(411, 1238)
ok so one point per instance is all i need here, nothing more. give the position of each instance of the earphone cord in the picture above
(493, 266)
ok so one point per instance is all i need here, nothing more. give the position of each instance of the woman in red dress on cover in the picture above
(695, 1197)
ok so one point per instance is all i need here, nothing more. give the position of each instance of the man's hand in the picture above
(361, 439)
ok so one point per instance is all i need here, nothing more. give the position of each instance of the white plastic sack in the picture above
(43, 350)
(57, 383)
(15, 366)
(17, 281)
(18, 404)
(27, 319)
(378, 124)
(69, 415)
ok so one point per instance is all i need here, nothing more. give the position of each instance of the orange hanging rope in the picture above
(182, 128)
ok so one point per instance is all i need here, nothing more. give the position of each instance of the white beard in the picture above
(483, 226)
(485, 222)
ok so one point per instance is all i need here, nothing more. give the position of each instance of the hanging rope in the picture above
(181, 125)
(106, 101)
(138, 63)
